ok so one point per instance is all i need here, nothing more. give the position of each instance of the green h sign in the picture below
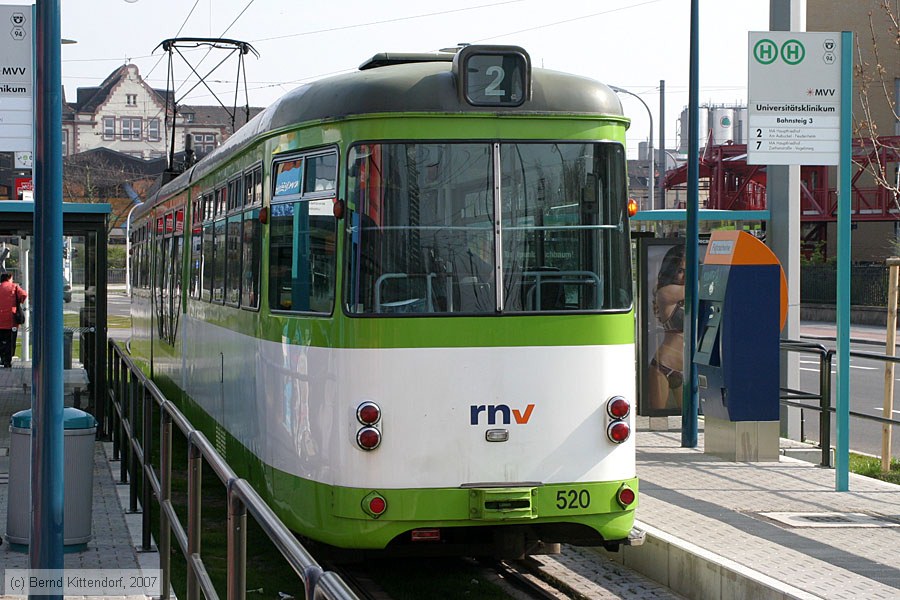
(766, 52)
(792, 52)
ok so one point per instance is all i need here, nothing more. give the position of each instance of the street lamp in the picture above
(651, 174)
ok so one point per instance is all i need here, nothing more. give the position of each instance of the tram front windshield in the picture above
(481, 228)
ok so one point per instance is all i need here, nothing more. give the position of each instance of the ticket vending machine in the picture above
(743, 306)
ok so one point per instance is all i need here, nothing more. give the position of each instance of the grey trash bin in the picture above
(80, 430)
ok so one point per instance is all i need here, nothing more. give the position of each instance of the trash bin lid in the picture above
(72, 419)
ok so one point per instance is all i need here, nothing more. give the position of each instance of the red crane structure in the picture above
(735, 185)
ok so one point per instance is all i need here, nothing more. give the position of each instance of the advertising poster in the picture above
(661, 280)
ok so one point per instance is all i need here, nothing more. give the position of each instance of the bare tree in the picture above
(876, 73)
(92, 178)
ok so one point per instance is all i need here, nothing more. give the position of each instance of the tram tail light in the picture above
(618, 407)
(368, 438)
(374, 504)
(368, 413)
(626, 496)
(618, 431)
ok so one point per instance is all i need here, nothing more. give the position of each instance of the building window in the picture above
(65, 142)
(188, 117)
(109, 128)
(131, 99)
(204, 142)
(131, 128)
(153, 130)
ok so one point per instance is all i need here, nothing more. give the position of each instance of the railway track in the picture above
(575, 573)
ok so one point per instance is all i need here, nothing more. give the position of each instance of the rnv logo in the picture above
(506, 414)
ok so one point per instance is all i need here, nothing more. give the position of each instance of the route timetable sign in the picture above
(16, 79)
(794, 98)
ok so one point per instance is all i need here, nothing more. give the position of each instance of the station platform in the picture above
(715, 530)
(116, 534)
(720, 530)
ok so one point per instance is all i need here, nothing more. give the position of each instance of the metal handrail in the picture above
(824, 408)
(130, 386)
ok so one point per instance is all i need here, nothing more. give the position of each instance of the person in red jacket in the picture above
(11, 295)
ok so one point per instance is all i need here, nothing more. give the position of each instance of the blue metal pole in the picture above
(46, 547)
(689, 402)
(842, 454)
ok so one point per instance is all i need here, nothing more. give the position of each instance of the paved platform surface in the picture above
(711, 531)
(112, 545)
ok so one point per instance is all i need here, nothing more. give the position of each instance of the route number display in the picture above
(494, 77)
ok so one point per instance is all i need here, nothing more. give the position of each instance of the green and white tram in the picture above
(400, 302)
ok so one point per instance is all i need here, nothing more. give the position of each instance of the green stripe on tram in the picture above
(453, 332)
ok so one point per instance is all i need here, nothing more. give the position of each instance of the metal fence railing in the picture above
(135, 402)
(790, 397)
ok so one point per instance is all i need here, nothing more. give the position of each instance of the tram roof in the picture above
(404, 87)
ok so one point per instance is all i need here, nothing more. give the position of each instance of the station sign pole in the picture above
(47, 472)
(800, 95)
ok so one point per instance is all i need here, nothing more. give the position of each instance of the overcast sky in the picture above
(628, 43)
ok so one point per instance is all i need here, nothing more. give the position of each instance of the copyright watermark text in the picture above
(82, 582)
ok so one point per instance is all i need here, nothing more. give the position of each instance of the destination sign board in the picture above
(794, 98)
(16, 79)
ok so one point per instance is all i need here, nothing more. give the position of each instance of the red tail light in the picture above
(377, 505)
(626, 496)
(618, 407)
(368, 438)
(368, 413)
(618, 431)
(374, 504)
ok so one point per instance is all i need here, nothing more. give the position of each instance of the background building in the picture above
(125, 116)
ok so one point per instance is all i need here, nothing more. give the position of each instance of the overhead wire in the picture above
(282, 84)
(177, 33)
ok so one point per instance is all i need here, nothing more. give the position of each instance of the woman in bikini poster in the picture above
(662, 354)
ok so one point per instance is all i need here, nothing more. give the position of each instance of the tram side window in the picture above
(206, 263)
(145, 261)
(251, 244)
(175, 298)
(219, 250)
(161, 275)
(233, 260)
(302, 235)
(196, 259)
